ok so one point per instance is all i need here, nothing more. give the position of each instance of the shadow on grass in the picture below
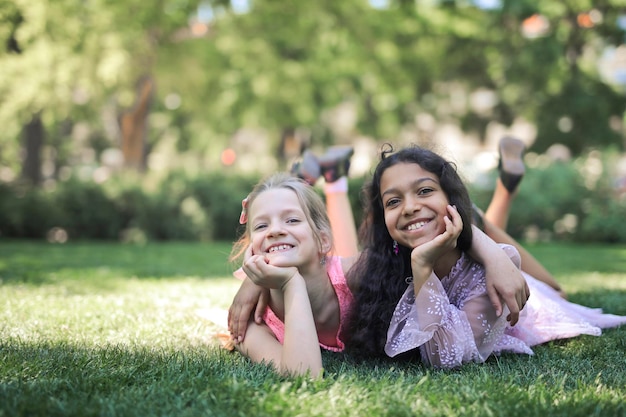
(565, 363)
(49, 379)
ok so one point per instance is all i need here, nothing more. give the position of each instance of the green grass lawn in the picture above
(101, 329)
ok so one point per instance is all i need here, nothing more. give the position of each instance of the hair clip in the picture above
(243, 217)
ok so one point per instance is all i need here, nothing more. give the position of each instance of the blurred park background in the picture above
(137, 121)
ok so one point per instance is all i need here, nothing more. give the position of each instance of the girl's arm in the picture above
(424, 257)
(300, 352)
(249, 297)
(447, 334)
(505, 281)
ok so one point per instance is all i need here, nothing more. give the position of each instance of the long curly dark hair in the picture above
(379, 271)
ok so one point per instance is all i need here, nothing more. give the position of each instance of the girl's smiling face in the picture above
(280, 231)
(414, 204)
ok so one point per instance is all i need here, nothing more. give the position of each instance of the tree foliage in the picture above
(64, 60)
(292, 64)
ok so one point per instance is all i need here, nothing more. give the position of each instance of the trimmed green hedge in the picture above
(175, 208)
(576, 201)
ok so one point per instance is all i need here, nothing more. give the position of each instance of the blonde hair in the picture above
(311, 203)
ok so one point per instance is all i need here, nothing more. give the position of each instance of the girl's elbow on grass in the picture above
(302, 369)
(260, 346)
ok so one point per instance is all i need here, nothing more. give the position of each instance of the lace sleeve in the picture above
(447, 336)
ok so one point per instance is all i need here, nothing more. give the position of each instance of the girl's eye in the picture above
(259, 226)
(392, 202)
(423, 191)
(292, 221)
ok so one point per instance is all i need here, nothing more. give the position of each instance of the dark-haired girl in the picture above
(419, 291)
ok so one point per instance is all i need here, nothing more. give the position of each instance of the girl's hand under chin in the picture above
(429, 252)
(261, 272)
(425, 256)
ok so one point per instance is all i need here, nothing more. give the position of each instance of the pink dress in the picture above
(452, 321)
(344, 295)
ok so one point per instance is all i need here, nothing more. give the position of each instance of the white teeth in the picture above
(279, 248)
(416, 226)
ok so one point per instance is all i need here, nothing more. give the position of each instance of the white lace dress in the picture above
(451, 321)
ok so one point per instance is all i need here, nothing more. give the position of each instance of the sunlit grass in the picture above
(105, 329)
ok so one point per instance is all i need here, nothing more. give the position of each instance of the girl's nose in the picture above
(411, 205)
(275, 229)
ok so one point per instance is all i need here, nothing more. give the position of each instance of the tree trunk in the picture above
(134, 125)
(292, 144)
(32, 140)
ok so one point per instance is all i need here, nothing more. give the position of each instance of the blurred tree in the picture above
(291, 63)
(63, 60)
(296, 63)
(549, 69)
(133, 126)
(539, 60)
(336, 68)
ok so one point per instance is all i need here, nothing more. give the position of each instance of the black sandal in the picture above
(307, 168)
(511, 165)
(335, 163)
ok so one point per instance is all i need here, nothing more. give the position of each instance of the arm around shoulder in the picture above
(505, 281)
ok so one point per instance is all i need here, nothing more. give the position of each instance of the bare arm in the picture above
(300, 352)
(250, 297)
